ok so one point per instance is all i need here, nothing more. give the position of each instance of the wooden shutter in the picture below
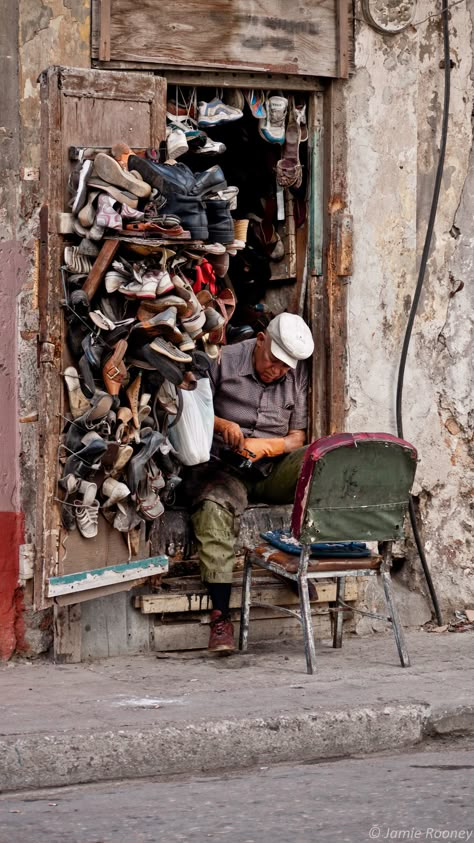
(79, 108)
(307, 38)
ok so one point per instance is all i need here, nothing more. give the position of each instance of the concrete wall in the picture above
(394, 106)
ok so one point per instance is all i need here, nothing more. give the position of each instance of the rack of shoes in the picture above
(146, 307)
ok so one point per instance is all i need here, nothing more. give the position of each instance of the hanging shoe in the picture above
(256, 103)
(78, 403)
(215, 113)
(113, 491)
(133, 393)
(210, 147)
(272, 127)
(114, 369)
(87, 518)
(235, 98)
(176, 143)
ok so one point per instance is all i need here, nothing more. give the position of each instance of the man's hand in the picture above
(230, 432)
(264, 448)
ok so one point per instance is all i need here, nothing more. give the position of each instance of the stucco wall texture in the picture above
(393, 108)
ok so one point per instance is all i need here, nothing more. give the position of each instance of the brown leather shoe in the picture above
(114, 370)
(221, 638)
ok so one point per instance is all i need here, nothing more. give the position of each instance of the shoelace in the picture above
(219, 626)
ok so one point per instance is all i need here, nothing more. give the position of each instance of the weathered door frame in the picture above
(56, 83)
(327, 269)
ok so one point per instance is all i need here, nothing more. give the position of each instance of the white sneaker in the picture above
(272, 127)
(215, 112)
(211, 147)
(144, 289)
(176, 143)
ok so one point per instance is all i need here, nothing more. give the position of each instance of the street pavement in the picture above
(139, 716)
(414, 796)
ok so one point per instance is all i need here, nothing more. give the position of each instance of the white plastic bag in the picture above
(192, 435)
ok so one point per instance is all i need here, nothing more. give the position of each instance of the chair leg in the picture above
(338, 615)
(396, 625)
(307, 624)
(245, 605)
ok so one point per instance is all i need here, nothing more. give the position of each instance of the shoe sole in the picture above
(171, 353)
(110, 171)
(217, 119)
(222, 648)
(81, 195)
(119, 194)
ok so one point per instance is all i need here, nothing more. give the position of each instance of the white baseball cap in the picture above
(291, 339)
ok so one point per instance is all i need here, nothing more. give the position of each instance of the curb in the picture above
(38, 760)
(455, 722)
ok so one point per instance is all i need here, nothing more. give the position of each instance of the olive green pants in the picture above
(222, 501)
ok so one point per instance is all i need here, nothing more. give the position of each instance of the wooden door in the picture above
(93, 108)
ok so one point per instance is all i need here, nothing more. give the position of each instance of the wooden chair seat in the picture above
(288, 562)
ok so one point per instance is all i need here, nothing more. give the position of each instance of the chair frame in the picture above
(263, 560)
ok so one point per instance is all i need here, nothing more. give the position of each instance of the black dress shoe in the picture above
(237, 334)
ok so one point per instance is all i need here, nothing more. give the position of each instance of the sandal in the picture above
(289, 171)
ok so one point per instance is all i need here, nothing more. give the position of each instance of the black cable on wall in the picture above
(419, 286)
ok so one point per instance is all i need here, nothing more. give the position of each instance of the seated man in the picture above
(260, 404)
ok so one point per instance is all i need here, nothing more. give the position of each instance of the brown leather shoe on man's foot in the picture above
(221, 638)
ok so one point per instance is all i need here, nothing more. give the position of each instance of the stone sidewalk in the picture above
(153, 715)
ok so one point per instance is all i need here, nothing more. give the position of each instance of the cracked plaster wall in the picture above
(47, 32)
(394, 104)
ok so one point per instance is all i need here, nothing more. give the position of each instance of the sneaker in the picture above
(215, 112)
(80, 198)
(221, 638)
(176, 143)
(75, 262)
(145, 288)
(272, 127)
(211, 147)
(235, 98)
(128, 213)
(163, 347)
(107, 216)
(229, 195)
(256, 103)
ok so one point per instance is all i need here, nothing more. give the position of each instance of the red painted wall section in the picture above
(11, 595)
(14, 269)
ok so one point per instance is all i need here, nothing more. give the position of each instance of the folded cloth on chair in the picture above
(284, 541)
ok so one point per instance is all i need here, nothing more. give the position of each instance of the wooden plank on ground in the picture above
(194, 636)
(67, 634)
